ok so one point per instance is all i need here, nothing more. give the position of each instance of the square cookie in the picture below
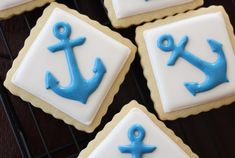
(136, 133)
(9, 8)
(124, 13)
(189, 62)
(71, 67)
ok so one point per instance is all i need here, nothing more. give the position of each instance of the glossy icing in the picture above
(78, 89)
(30, 75)
(216, 72)
(137, 149)
(169, 80)
(5, 4)
(123, 8)
(166, 147)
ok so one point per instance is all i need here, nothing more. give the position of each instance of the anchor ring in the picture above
(166, 43)
(136, 133)
(62, 30)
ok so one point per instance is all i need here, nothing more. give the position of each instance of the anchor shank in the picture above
(195, 61)
(137, 156)
(75, 73)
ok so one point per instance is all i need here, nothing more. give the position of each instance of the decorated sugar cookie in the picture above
(71, 67)
(9, 8)
(189, 62)
(136, 133)
(124, 13)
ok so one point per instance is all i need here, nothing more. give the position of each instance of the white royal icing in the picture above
(126, 8)
(166, 147)
(5, 4)
(170, 79)
(30, 75)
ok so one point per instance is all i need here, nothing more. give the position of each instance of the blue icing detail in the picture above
(78, 89)
(136, 135)
(216, 73)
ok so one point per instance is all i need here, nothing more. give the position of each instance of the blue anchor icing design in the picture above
(78, 89)
(216, 73)
(136, 134)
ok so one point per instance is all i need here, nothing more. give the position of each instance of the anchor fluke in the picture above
(99, 67)
(192, 87)
(50, 81)
(215, 46)
(99, 70)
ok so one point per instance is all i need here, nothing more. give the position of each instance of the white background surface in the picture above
(125, 8)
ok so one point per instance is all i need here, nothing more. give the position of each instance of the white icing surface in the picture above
(166, 147)
(30, 75)
(125, 8)
(5, 4)
(171, 79)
